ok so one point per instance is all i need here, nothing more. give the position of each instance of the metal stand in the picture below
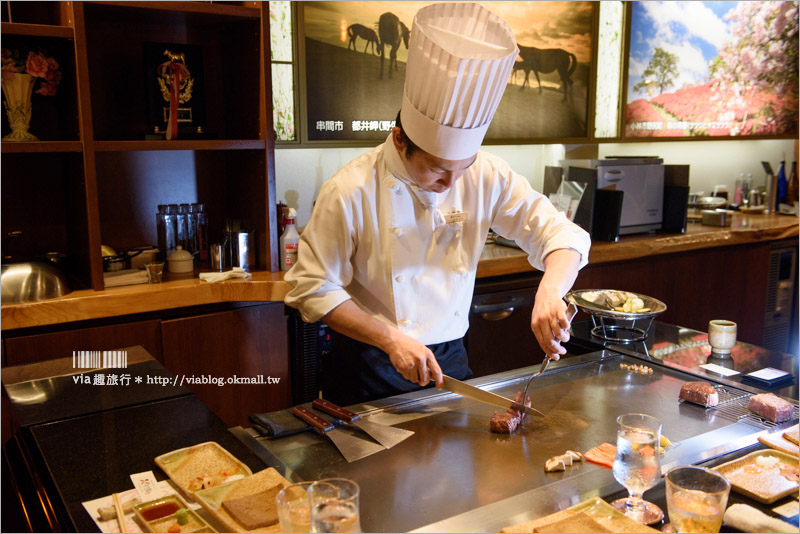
(621, 333)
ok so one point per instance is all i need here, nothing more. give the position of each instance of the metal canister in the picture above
(246, 249)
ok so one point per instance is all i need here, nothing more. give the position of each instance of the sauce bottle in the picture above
(289, 240)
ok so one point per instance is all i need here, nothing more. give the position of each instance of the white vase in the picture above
(18, 91)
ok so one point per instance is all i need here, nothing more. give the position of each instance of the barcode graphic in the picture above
(99, 359)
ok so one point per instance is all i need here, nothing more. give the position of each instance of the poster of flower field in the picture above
(721, 69)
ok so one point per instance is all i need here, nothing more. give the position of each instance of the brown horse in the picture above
(391, 30)
(546, 60)
(355, 31)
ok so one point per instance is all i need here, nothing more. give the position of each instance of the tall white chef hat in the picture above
(460, 57)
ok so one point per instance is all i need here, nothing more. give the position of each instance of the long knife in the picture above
(352, 447)
(486, 397)
(386, 435)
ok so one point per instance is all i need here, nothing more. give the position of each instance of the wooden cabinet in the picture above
(37, 348)
(248, 343)
(92, 178)
(697, 286)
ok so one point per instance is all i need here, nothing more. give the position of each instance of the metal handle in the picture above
(498, 310)
(319, 424)
(332, 409)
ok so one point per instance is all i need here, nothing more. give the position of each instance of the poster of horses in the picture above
(355, 55)
(712, 69)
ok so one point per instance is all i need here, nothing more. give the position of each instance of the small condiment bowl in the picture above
(151, 520)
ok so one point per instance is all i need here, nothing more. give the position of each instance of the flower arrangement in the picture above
(37, 64)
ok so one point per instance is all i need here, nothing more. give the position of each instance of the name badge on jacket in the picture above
(456, 217)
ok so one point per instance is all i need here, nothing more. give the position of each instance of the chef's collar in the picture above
(429, 199)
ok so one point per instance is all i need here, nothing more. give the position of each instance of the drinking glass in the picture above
(334, 505)
(294, 509)
(637, 465)
(155, 271)
(696, 499)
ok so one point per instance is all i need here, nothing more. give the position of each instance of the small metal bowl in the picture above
(32, 281)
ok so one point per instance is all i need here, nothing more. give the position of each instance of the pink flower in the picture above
(46, 89)
(54, 77)
(36, 65)
(52, 64)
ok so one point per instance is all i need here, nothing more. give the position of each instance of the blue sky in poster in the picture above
(693, 31)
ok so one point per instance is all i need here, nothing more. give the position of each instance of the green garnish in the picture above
(182, 516)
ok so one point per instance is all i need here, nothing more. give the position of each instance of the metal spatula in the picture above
(571, 311)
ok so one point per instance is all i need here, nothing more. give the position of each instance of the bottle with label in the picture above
(793, 189)
(289, 240)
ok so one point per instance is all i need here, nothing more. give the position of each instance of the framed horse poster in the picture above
(699, 70)
(353, 57)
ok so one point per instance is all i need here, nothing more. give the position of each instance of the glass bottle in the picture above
(183, 231)
(191, 229)
(793, 189)
(782, 186)
(161, 237)
(202, 231)
(170, 230)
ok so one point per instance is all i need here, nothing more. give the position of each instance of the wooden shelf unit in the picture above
(93, 150)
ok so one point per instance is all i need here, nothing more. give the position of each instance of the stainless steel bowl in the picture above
(31, 282)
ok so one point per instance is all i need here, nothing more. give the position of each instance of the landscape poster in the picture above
(356, 52)
(699, 69)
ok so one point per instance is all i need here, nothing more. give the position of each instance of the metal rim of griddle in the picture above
(607, 332)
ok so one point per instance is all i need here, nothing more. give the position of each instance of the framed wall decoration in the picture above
(711, 69)
(191, 119)
(353, 57)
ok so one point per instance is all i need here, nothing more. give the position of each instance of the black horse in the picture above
(391, 30)
(355, 31)
(547, 60)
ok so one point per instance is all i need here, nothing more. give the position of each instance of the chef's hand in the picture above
(549, 318)
(414, 360)
(550, 324)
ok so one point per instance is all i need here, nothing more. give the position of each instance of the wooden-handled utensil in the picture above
(352, 447)
(386, 435)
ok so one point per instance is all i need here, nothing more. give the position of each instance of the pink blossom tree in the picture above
(761, 56)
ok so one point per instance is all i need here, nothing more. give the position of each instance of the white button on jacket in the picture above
(363, 239)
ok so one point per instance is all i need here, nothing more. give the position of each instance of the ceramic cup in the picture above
(721, 336)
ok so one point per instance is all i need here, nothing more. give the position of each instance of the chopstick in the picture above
(120, 513)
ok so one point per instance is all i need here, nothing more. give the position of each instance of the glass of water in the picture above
(294, 510)
(637, 465)
(334, 505)
(696, 499)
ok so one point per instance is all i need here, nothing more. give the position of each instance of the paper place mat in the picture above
(776, 441)
(714, 368)
(789, 509)
(130, 523)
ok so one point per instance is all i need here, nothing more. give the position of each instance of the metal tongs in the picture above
(571, 311)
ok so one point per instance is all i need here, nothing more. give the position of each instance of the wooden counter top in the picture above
(498, 260)
(267, 286)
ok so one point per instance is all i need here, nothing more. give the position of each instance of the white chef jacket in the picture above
(401, 253)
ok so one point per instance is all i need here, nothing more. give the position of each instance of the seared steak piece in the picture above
(701, 393)
(503, 423)
(770, 406)
(506, 423)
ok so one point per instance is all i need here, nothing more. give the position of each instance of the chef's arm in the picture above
(409, 357)
(549, 319)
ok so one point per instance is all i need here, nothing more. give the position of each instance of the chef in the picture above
(389, 256)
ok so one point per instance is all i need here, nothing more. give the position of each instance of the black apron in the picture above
(355, 372)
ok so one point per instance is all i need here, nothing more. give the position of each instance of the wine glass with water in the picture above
(637, 465)
(334, 506)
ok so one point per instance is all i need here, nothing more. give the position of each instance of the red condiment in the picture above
(160, 510)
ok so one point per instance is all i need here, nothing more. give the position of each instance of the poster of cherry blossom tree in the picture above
(712, 69)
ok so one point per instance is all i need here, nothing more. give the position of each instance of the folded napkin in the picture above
(125, 278)
(278, 424)
(748, 519)
(236, 272)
